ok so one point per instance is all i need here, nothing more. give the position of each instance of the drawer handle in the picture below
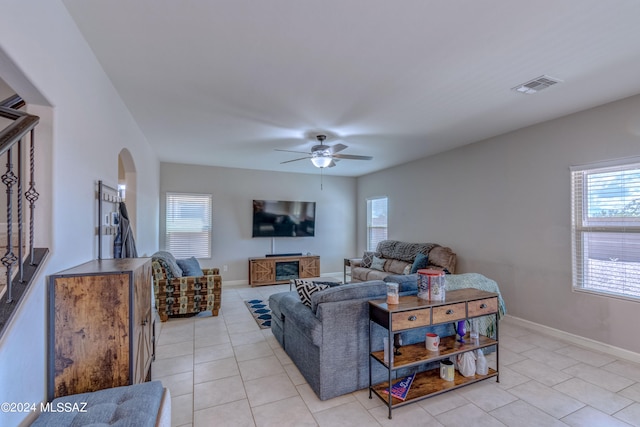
(483, 305)
(412, 318)
(450, 311)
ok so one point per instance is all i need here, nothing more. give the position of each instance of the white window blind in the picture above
(376, 222)
(606, 228)
(188, 225)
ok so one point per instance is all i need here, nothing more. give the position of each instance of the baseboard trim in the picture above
(576, 339)
(234, 283)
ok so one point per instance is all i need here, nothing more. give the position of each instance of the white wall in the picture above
(234, 190)
(503, 205)
(84, 126)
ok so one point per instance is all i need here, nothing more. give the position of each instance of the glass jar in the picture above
(393, 293)
(431, 284)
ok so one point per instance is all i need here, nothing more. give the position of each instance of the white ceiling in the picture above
(225, 82)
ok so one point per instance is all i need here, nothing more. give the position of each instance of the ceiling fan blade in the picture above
(291, 151)
(295, 160)
(337, 148)
(332, 164)
(351, 157)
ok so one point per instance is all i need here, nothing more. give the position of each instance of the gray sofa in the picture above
(329, 342)
(399, 258)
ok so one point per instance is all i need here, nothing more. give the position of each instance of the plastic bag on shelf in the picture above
(466, 363)
(481, 363)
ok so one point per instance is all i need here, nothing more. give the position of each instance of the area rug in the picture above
(260, 311)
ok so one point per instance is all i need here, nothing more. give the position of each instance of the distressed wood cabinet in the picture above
(100, 326)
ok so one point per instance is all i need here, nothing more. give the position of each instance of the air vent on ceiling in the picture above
(536, 85)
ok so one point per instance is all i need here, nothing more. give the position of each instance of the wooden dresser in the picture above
(100, 326)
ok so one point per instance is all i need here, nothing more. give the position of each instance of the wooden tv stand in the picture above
(274, 270)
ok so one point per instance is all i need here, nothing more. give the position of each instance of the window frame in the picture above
(184, 251)
(370, 227)
(586, 230)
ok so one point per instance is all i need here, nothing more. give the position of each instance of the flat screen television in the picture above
(282, 218)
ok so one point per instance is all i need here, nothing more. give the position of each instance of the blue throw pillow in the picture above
(190, 267)
(421, 261)
(378, 263)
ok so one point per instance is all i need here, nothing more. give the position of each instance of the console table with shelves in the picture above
(413, 312)
(273, 270)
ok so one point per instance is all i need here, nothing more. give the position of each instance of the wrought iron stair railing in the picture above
(12, 139)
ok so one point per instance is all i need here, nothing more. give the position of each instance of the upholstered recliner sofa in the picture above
(396, 257)
(329, 341)
(176, 294)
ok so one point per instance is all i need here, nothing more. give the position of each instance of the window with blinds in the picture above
(376, 222)
(606, 228)
(188, 225)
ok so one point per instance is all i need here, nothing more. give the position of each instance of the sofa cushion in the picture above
(190, 267)
(396, 266)
(133, 405)
(168, 262)
(306, 288)
(421, 261)
(378, 263)
(278, 301)
(372, 289)
(375, 274)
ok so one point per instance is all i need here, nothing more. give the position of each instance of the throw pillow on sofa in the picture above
(420, 262)
(378, 263)
(367, 258)
(190, 267)
(306, 288)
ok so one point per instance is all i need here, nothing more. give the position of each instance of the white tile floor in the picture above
(225, 371)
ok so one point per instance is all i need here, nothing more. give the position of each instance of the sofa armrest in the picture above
(443, 257)
(355, 262)
(301, 317)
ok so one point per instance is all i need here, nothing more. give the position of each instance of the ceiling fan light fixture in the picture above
(321, 159)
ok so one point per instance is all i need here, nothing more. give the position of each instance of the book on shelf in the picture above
(400, 388)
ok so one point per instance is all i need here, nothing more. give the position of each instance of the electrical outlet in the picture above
(225, 267)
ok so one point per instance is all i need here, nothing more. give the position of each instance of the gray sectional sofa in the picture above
(399, 257)
(329, 342)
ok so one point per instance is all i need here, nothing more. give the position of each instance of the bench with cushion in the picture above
(140, 405)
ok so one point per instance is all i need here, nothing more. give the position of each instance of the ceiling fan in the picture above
(325, 156)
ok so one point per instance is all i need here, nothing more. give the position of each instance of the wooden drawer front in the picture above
(482, 307)
(410, 319)
(449, 313)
